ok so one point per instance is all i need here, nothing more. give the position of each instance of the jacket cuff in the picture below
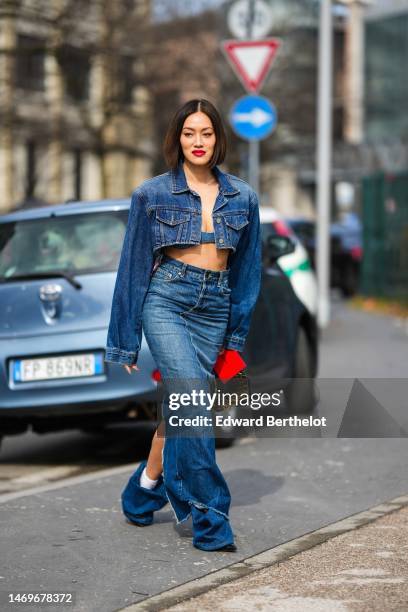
(234, 342)
(120, 356)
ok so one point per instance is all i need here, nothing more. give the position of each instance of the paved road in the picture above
(364, 345)
(34, 459)
(67, 538)
(360, 569)
(76, 539)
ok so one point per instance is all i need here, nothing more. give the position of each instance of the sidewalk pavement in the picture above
(361, 570)
(71, 536)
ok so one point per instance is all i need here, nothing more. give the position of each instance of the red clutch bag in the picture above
(228, 364)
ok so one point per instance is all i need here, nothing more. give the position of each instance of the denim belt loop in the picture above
(183, 269)
(222, 276)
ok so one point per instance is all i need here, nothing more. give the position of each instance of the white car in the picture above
(295, 265)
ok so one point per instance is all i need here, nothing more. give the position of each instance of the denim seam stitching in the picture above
(168, 497)
(196, 304)
(200, 505)
(191, 339)
(169, 278)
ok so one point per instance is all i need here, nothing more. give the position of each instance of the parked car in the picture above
(290, 291)
(57, 273)
(346, 250)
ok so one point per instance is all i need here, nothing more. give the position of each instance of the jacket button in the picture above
(218, 219)
(221, 240)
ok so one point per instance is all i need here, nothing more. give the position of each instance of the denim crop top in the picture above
(206, 237)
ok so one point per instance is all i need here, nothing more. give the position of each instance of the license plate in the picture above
(63, 366)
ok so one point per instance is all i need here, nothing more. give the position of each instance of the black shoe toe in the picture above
(137, 524)
(228, 548)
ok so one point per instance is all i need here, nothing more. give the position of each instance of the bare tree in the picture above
(92, 61)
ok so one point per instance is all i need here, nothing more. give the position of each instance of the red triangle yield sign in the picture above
(251, 59)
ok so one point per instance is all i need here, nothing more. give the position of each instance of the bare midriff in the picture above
(205, 255)
(201, 255)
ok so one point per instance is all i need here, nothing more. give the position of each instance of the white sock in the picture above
(147, 482)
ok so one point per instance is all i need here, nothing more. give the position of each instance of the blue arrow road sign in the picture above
(253, 117)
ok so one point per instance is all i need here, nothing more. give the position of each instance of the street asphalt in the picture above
(74, 538)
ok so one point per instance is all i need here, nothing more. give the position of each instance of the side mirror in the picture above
(276, 246)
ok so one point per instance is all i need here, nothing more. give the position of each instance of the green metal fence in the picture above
(385, 236)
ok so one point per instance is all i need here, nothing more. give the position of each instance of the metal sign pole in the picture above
(252, 117)
(253, 175)
(324, 122)
(253, 146)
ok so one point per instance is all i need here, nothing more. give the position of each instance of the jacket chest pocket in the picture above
(235, 224)
(172, 225)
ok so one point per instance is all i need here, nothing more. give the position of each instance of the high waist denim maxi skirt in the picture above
(185, 316)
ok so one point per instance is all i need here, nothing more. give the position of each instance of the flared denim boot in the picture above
(212, 529)
(139, 503)
(195, 486)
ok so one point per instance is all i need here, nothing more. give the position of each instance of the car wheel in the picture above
(300, 393)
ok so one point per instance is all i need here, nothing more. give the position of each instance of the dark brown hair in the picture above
(172, 150)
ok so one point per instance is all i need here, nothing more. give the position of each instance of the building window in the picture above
(77, 173)
(30, 170)
(75, 65)
(30, 63)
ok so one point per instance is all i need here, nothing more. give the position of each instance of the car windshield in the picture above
(304, 229)
(73, 244)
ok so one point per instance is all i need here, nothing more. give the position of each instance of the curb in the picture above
(70, 481)
(267, 558)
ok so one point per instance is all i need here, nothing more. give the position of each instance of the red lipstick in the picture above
(199, 153)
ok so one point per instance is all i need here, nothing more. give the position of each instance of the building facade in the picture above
(74, 107)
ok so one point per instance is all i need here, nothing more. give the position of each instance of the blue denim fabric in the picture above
(165, 211)
(185, 315)
(138, 503)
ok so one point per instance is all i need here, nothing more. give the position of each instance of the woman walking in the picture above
(189, 276)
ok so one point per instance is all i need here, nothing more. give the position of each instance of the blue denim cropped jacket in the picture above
(165, 211)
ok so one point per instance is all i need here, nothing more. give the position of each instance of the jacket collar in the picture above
(179, 182)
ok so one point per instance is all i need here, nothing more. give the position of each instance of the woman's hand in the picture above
(130, 368)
